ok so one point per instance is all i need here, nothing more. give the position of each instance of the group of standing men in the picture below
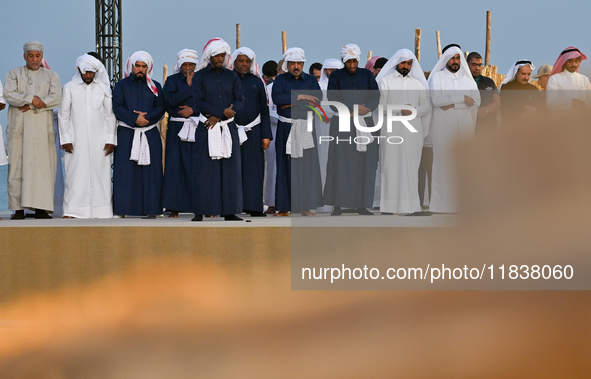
(220, 127)
(453, 105)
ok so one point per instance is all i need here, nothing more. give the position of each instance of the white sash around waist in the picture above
(179, 119)
(187, 132)
(219, 139)
(362, 147)
(299, 137)
(242, 129)
(140, 148)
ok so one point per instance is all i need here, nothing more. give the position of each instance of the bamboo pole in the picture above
(283, 41)
(418, 44)
(438, 44)
(487, 51)
(368, 55)
(238, 36)
(164, 121)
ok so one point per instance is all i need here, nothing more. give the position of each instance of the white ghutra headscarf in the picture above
(400, 56)
(449, 52)
(142, 56)
(350, 51)
(185, 56)
(513, 71)
(212, 48)
(329, 63)
(88, 63)
(293, 54)
(254, 67)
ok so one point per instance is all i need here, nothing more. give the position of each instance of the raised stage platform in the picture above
(41, 255)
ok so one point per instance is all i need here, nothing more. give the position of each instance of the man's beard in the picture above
(403, 71)
(454, 67)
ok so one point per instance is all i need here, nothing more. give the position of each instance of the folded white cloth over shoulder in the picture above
(219, 139)
(242, 129)
(299, 138)
(140, 148)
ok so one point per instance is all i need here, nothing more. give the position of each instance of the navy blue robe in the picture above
(299, 185)
(137, 190)
(217, 183)
(350, 174)
(251, 151)
(178, 166)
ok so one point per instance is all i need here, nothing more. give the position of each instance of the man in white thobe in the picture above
(567, 89)
(32, 92)
(270, 71)
(402, 82)
(455, 99)
(87, 129)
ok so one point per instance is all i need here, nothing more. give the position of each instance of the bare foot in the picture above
(307, 213)
(270, 210)
(173, 214)
(281, 214)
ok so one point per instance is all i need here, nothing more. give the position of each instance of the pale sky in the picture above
(520, 29)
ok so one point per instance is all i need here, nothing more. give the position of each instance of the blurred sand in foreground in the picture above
(525, 192)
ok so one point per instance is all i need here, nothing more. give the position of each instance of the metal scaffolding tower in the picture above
(108, 37)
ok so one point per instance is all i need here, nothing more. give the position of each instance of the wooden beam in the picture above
(418, 44)
(283, 41)
(438, 44)
(487, 51)
(368, 55)
(238, 36)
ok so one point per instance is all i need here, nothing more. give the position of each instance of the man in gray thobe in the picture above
(32, 92)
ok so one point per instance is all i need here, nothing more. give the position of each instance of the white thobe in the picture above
(323, 129)
(447, 128)
(31, 138)
(564, 87)
(270, 156)
(86, 120)
(400, 161)
(3, 159)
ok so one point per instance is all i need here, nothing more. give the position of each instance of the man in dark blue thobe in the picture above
(176, 193)
(299, 186)
(254, 124)
(217, 96)
(138, 104)
(352, 163)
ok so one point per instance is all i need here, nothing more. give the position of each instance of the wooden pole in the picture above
(368, 55)
(438, 44)
(487, 51)
(164, 121)
(418, 44)
(283, 41)
(165, 74)
(238, 36)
